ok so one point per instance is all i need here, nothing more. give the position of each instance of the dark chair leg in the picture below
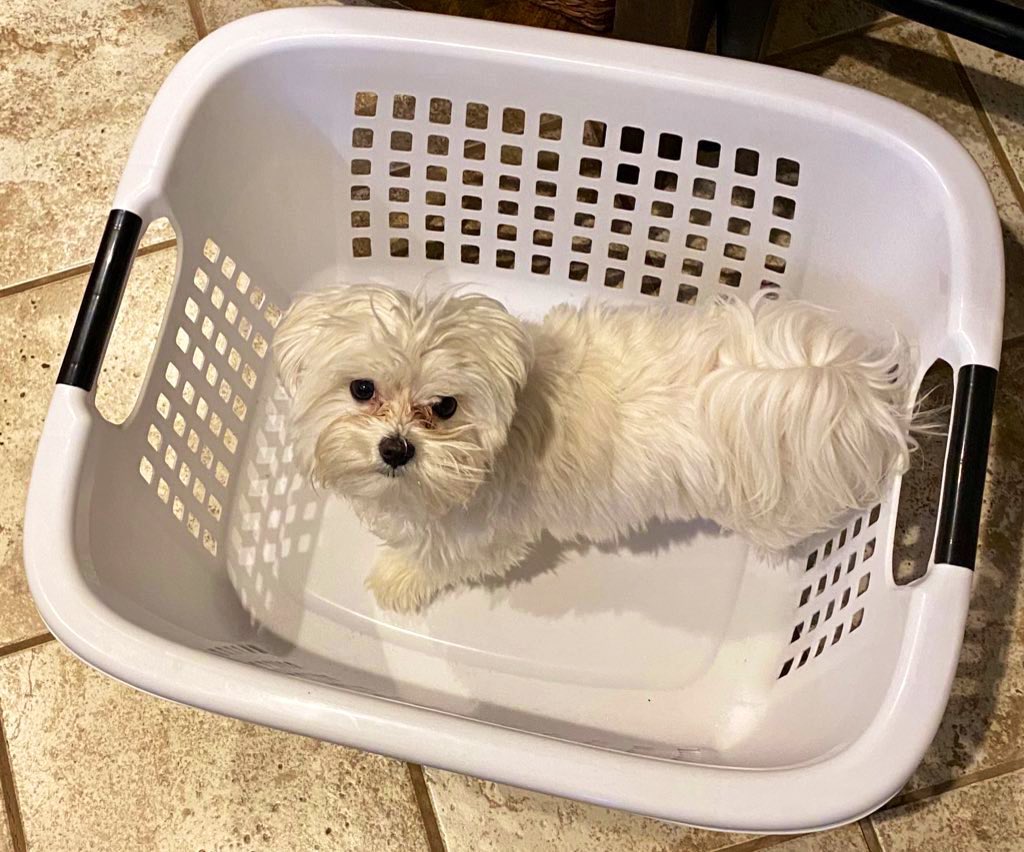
(743, 27)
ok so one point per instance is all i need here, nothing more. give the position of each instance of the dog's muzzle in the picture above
(396, 451)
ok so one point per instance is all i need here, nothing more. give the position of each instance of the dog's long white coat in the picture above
(771, 420)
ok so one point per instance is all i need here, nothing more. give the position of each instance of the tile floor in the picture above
(88, 764)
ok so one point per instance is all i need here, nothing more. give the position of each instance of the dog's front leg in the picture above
(405, 579)
(401, 581)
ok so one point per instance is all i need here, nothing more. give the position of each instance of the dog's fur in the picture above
(771, 419)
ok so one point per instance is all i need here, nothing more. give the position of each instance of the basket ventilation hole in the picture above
(631, 140)
(747, 161)
(594, 133)
(366, 103)
(704, 189)
(650, 285)
(440, 111)
(550, 126)
(739, 226)
(687, 294)
(787, 171)
(404, 107)
(708, 153)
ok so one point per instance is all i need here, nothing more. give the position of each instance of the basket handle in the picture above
(102, 297)
(963, 480)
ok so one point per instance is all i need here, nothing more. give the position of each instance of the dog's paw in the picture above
(400, 585)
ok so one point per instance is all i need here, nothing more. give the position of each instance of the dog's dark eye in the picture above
(362, 389)
(445, 407)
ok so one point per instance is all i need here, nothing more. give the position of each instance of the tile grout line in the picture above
(435, 841)
(198, 19)
(15, 826)
(757, 843)
(78, 269)
(935, 790)
(835, 38)
(25, 644)
(986, 124)
(871, 839)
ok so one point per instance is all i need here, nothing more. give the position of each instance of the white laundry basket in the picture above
(677, 675)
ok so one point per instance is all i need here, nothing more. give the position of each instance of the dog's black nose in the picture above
(396, 451)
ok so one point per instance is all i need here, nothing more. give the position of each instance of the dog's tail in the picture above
(805, 419)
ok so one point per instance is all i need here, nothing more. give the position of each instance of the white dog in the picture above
(459, 433)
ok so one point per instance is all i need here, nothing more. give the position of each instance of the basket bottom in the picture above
(647, 646)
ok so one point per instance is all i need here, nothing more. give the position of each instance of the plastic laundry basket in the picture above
(676, 675)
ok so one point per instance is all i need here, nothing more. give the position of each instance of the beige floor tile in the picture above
(99, 766)
(76, 78)
(983, 817)
(35, 326)
(846, 839)
(216, 13)
(480, 816)
(909, 64)
(999, 82)
(798, 22)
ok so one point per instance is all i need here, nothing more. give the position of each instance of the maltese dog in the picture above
(460, 433)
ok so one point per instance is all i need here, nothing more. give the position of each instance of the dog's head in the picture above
(399, 397)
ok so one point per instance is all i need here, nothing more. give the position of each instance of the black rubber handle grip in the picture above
(102, 297)
(993, 23)
(963, 485)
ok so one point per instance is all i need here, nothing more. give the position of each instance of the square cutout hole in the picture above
(708, 153)
(476, 115)
(440, 111)
(687, 294)
(670, 146)
(513, 120)
(594, 133)
(404, 107)
(650, 285)
(366, 103)
(614, 278)
(550, 126)
(631, 140)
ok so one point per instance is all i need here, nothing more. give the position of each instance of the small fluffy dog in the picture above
(459, 433)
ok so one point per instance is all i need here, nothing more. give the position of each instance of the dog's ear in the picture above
(500, 338)
(335, 311)
(296, 339)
